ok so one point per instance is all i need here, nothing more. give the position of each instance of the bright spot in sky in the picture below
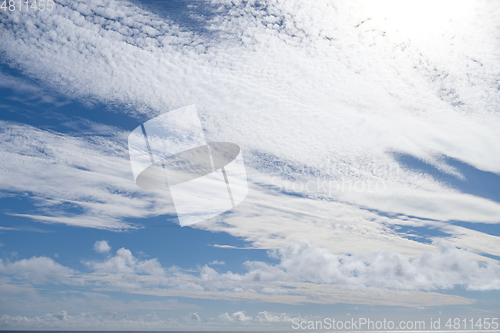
(412, 18)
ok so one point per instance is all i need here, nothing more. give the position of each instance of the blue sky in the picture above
(370, 142)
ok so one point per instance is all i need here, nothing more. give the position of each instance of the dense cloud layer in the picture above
(89, 321)
(298, 263)
(301, 87)
(323, 97)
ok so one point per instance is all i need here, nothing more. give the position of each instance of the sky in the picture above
(370, 139)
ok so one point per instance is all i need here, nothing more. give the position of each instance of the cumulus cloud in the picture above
(308, 263)
(270, 317)
(90, 321)
(263, 317)
(381, 269)
(38, 270)
(113, 320)
(102, 246)
(193, 316)
(125, 263)
(237, 316)
(304, 273)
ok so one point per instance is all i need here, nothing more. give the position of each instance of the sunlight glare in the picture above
(412, 17)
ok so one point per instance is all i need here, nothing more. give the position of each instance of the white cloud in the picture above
(237, 316)
(304, 273)
(228, 246)
(125, 263)
(193, 316)
(102, 246)
(261, 317)
(90, 321)
(39, 270)
(17, 297)
(34, 93)
(330, 82)
(8, 228)
(381, 269)
(43, 163)
(117, 321)
(308, 263)
(269, 317)
(337, 226)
